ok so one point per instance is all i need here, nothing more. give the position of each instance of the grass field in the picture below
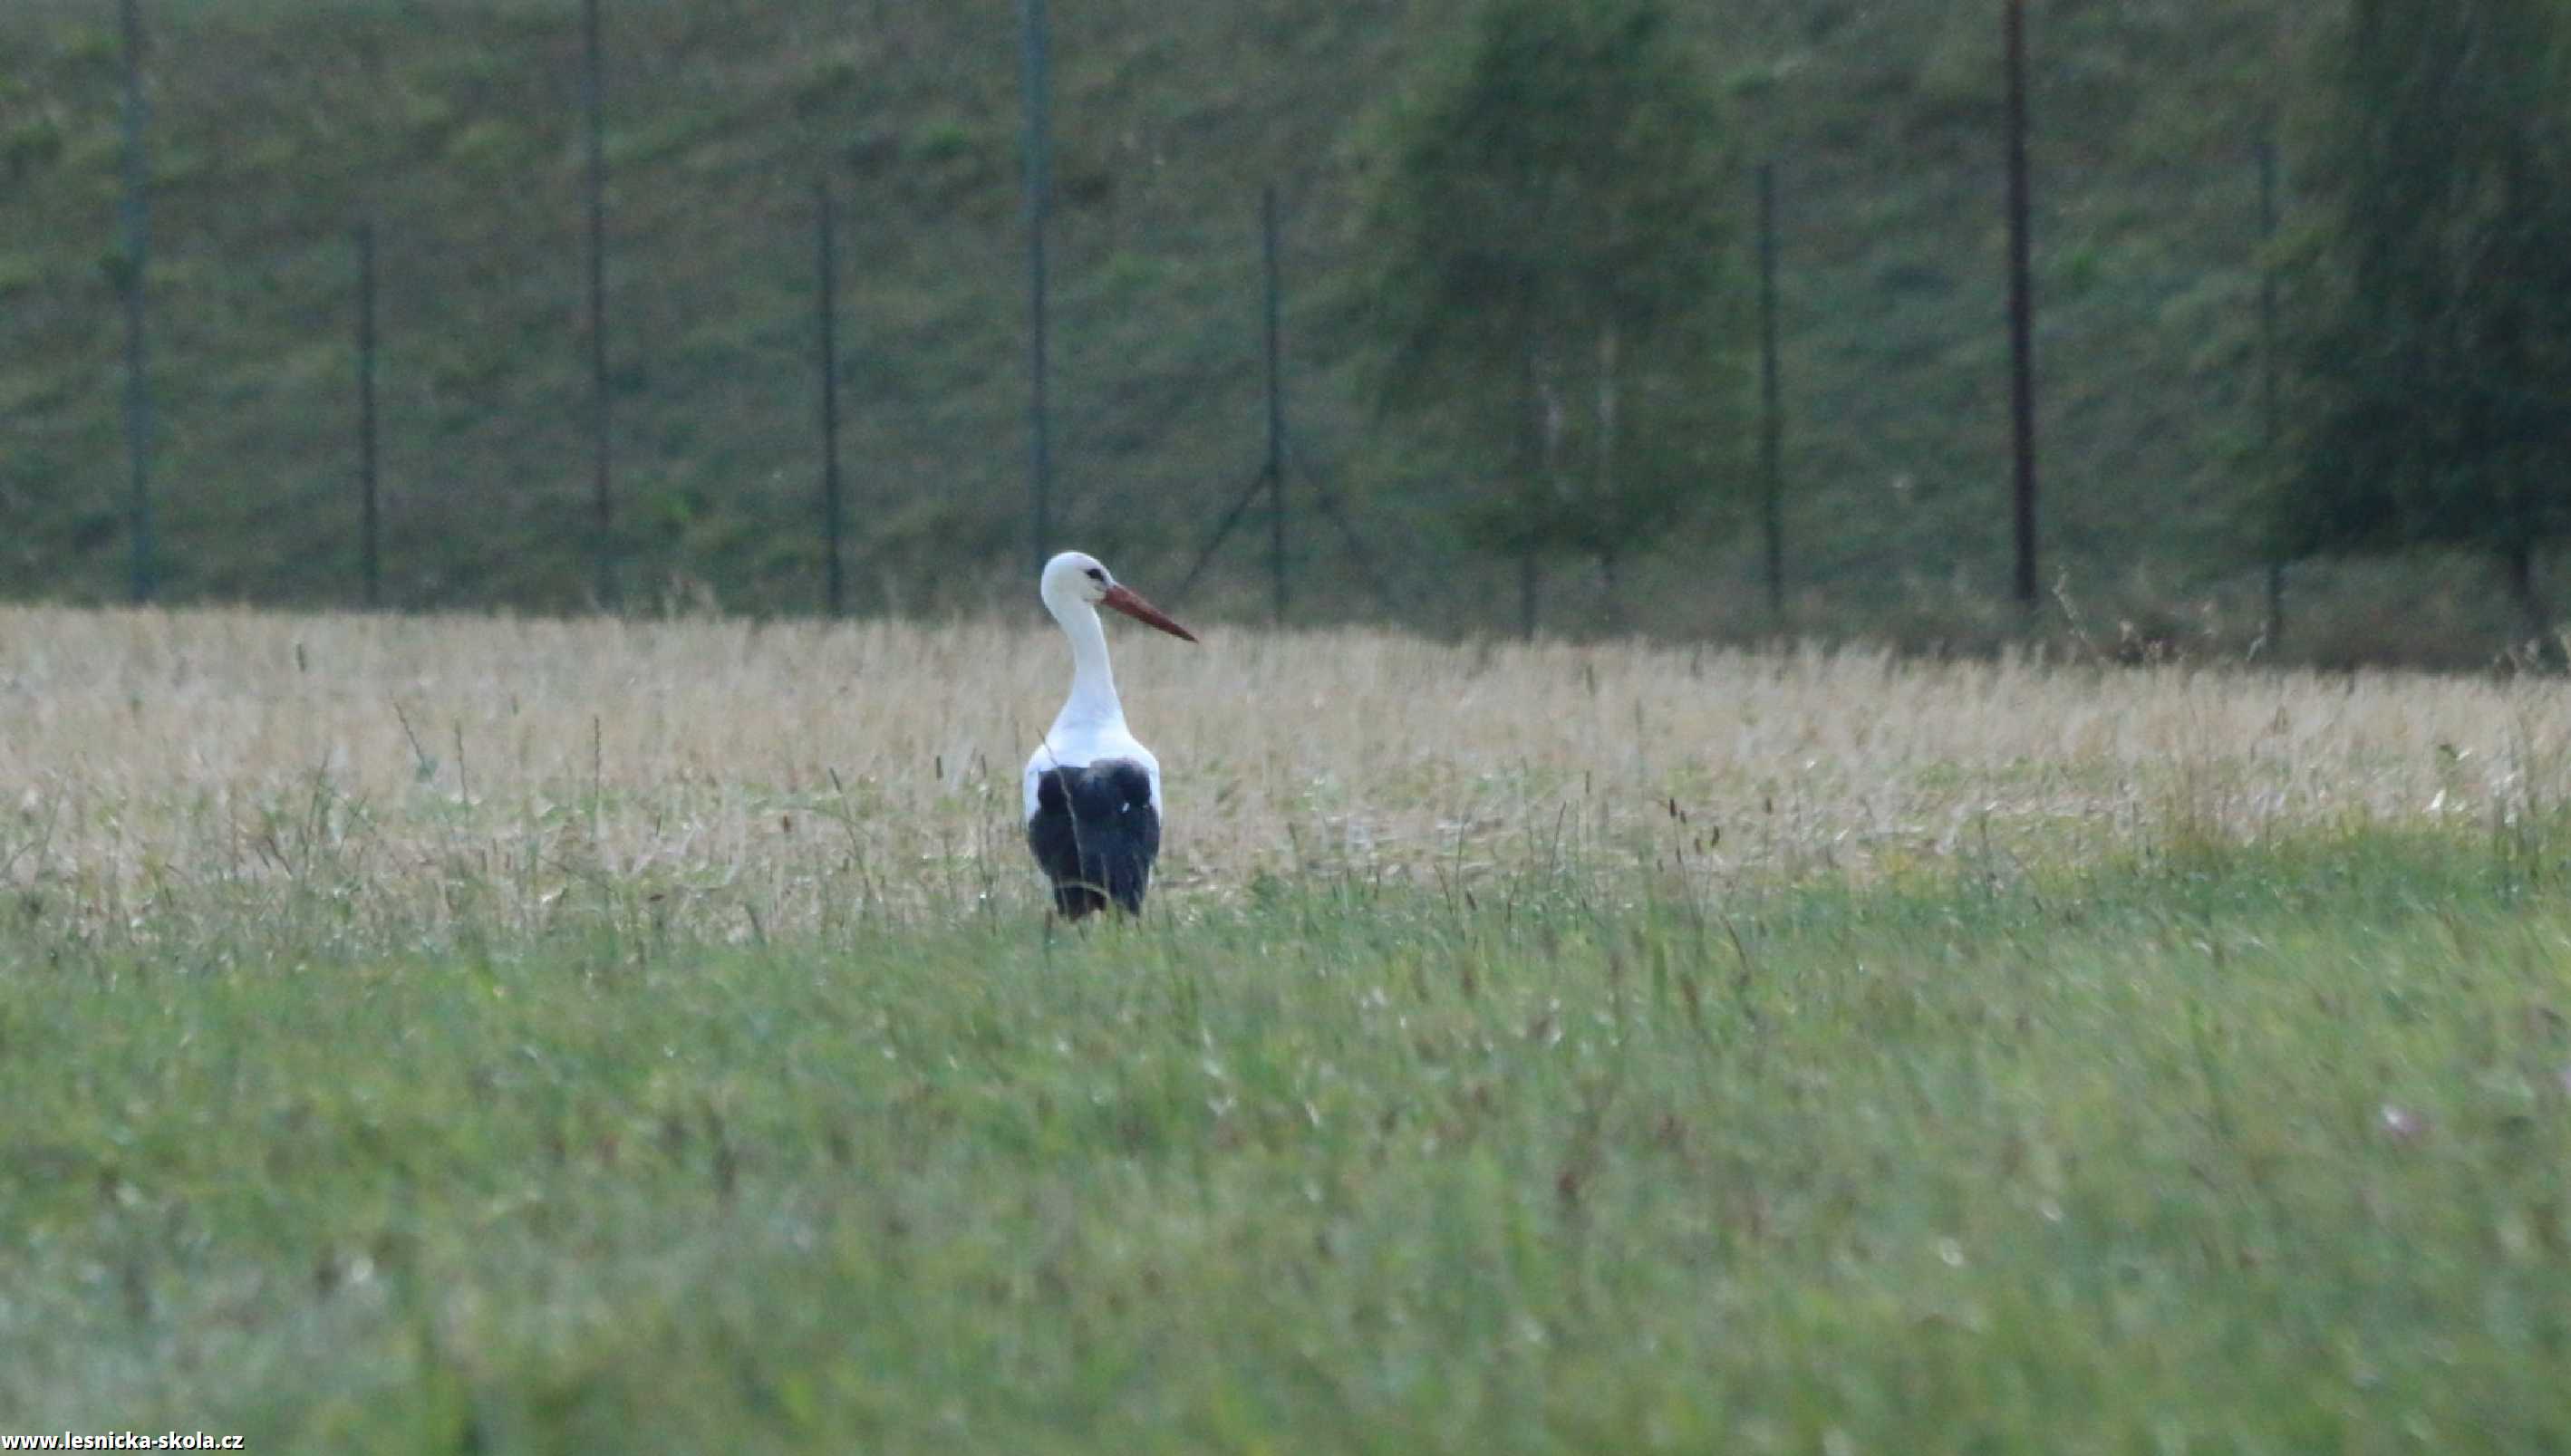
(528, 1036)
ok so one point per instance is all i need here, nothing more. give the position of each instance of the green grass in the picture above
(2215, 1148)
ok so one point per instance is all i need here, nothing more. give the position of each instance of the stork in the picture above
(1092, 792)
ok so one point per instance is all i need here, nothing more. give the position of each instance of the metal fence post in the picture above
(1771, 417)
(1034, 74)
(2021, 308)
(829, 302)
(369, 566)
(1274, 317)
(593, 106)
(2267, 410)
(136, 220)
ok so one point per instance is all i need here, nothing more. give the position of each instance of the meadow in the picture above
(512, 1034)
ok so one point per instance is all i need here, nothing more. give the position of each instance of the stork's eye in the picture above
(1098, 574)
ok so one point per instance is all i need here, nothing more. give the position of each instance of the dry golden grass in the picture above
(769, 777)
(399, 1091)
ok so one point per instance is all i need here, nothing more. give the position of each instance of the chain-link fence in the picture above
(414, 333)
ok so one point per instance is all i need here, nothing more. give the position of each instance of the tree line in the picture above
(1553, 306)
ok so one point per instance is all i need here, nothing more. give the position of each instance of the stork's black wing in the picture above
(1095, 833)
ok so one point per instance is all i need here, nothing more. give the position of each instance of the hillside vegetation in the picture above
(277, 126)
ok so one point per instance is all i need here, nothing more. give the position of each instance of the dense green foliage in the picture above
(1551, 283)
(2436, 365)
(2219, 1150)
(278, 125)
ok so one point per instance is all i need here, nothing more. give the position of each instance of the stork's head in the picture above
(1076, 577)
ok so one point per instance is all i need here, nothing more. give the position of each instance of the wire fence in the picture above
(559, 262)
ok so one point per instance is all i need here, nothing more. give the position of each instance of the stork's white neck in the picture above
(1093, 701)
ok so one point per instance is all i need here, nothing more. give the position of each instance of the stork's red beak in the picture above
(1122, 597)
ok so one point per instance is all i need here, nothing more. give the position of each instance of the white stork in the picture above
(1093, 793)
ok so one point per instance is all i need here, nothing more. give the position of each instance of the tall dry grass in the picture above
(427, 772)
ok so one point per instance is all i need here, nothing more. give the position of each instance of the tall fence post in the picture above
(1275, 319)
(1271, 478)
(829, 344)
(1033, 79)
(2268, 423)
(593, 107)
(370, 567)
(136, 222)
(2021, 309)
(1771, 468)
